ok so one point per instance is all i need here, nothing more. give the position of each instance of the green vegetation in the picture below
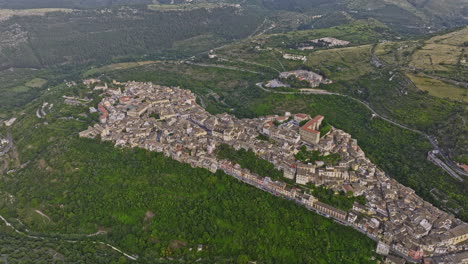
(303, 122)
(404, 16)
(247, 159)
(462, 159)
(36, 83)
(342, 63)
(24, 4)
(155, 116)
(439, 88)
(443, 54)
(72, 38)
(20, 249)
(358, 32)
(325, 127)
(115, 66)
(263, 137)
(400, 153)
(294, 82)
(306, 156)
(341, 200)
(167, 207)
(158, 208)
(187, 7)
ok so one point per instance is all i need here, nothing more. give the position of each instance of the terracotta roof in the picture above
(301, 115)
(307, 126)
(465, 167)
(103, 110)
(124, 98)
(348, 187)
(268, 124)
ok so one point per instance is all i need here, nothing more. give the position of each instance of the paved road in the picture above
(433, 157)
(446, 160)
(447, 165)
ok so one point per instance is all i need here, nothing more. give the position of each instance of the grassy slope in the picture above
(442, 55)
(439, 88)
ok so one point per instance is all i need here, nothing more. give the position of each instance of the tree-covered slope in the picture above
(99, 35)
(409, 16)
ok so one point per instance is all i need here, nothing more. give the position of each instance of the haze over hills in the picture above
(391, 73)
(411, 16)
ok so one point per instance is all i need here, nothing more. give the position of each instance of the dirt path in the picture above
(8, 224)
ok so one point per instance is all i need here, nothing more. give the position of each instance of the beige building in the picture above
(310, 131)
(457, 235)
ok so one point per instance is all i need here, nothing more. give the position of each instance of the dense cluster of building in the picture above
(3, 142)
(313, 79)
(330, 42)
(295, 57)
(168, 120)
(326, 42)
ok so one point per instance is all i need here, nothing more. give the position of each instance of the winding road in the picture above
(447, 165)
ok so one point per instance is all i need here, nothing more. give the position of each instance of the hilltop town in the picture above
(169, 120)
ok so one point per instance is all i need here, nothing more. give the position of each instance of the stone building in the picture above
(310, 131)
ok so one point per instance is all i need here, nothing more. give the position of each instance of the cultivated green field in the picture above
(36, 83)
(5, 14)
(115, 66)
(439, 88)
(188, 7)
(444, 55)
(342, 63)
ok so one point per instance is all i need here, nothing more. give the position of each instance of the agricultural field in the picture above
(396, 53)
(36, 83)
(342, 63)
(18, 86)
(444, 55)
(435, 57)
(357, 32)
(188, 7)
(439, 88)
(6, 14)
(115, 66)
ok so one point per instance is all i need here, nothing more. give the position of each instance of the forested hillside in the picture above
(102, 35)
(26, 4)
(410, 16)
